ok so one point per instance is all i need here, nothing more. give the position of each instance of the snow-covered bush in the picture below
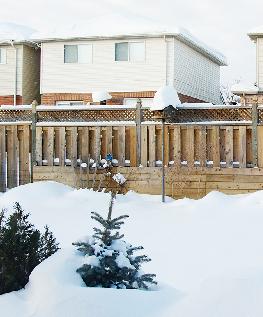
(109, 261)
(22, 248)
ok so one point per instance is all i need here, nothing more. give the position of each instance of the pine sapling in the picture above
(110, 261)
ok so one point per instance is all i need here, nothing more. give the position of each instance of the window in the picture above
(137, 51)
(78, 54)
(130, 51)
(121, 51)
(2, 56)
(69, 103)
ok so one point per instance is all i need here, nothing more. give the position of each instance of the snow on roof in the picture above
(244, 88)
(164, 97)
(112, 26)
(256, 32)
(98, 96)
(11, 31)
(109, 26)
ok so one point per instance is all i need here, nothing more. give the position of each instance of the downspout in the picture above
(166, 60)
(15, 75)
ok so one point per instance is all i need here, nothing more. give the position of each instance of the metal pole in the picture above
(255, 134)
(163, 168)
(138, 131)
(33, 140)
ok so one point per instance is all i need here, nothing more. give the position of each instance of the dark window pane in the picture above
(70, 53)
(121, 51)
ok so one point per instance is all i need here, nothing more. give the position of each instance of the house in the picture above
(19, 66)
(251, 93)
(129, 64)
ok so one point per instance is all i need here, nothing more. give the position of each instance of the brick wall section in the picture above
(117, 97)
(250, 99)
(9, 100)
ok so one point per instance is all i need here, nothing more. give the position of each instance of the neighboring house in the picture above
(257, 36)
(128, 66)
(251, 93)
(19, 67)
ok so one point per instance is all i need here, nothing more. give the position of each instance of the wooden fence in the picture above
(192, 146)
(62, 142)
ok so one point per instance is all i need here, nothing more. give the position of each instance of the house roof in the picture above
(14, 32)
(109, 27)
(120, 26)
(244, 88)
(256, 32)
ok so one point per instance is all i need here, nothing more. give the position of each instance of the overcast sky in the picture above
(222, 24)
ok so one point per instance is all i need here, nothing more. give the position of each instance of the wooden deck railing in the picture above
(71, 136)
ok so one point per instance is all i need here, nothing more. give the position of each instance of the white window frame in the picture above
(78, 62)
(129, 60)
(69, 103)
(3, 49)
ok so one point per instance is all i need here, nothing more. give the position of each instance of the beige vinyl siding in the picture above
(104, 73)
(31, 74)
(7, 71)
(195, 74)
(260, 63)
(170, 62)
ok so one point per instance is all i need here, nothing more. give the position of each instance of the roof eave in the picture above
(220, 61)
(254, 36)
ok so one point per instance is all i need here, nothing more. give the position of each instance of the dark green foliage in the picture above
(111, 262)
(47, 245)
(22, 248)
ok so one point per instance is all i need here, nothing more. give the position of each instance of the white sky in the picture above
(222, 24)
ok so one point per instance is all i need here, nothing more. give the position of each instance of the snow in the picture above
(11, 31)
(119, 178)
(123, 261)
(244, 88)
(119, 26)
(164, 97)
(100, 96)
(104, 27)
(207, 255)
(91, 260)
(256, 32)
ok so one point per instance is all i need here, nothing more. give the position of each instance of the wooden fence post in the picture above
(2, 159)
(255, 134)
(138, 131)
(33, 140)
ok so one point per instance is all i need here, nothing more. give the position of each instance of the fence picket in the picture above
(152, 145)
(121, 146)
(12, 157)
(144, 145)
(229, 146)
(24, 149)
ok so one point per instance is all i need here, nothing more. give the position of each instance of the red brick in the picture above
(117, 97)
(9, 100)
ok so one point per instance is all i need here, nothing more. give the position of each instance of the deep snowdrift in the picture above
(207, 254)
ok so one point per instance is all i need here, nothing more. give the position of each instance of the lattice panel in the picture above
(206, 115)
(173, 115)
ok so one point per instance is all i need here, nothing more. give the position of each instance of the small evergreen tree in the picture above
(22, 248)
(48, 245)
(110, 261)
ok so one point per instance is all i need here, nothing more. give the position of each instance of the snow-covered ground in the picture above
(207, 254)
